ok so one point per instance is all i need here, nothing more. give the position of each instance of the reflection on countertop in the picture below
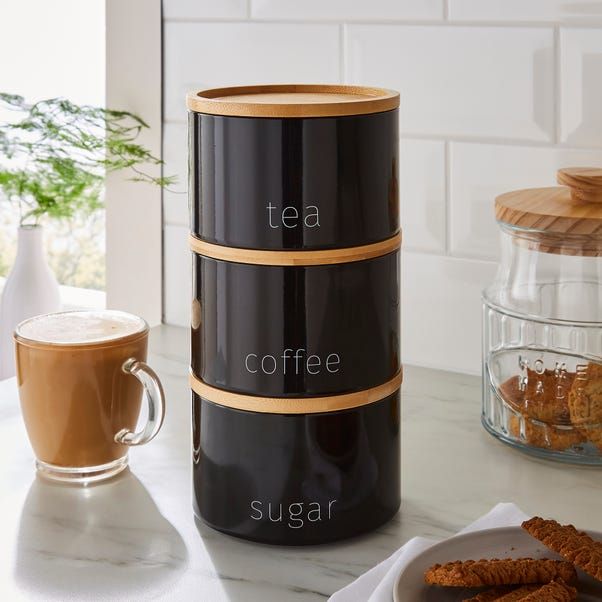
(101, 541)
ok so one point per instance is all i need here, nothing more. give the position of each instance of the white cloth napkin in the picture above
(377, 584)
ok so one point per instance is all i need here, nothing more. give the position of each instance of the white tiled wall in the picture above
(460, 81)
(495, 95)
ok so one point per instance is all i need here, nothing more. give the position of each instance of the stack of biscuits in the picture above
(556, 410)
(527, 579)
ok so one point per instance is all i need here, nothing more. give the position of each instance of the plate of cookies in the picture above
(541, 561)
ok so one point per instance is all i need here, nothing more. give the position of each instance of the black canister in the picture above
(296, 479)
(325, 179)
(295, 320)
(296, 330)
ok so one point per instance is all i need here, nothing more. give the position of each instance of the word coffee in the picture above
(292, 362)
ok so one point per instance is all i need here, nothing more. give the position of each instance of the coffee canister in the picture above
(319, 330)
(296, 368)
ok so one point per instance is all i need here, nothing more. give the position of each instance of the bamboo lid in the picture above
(567, 219)
(293, 100)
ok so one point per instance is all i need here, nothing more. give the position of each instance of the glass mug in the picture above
(81, 375)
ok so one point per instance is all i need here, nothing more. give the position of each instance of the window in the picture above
(53, 49)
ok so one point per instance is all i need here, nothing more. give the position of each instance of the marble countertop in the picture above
(135, 538)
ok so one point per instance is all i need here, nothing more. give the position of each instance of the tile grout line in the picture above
(387, 22)
(492, 141)
(489, 140)
(446, 10)
(342, 52)
(557, 85)
(456, 257)
(447, 184)
(248, 10)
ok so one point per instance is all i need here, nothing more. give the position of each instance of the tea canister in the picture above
(295, 370)
(542, 321)
(294, 166)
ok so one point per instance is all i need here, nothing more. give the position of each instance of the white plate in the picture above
(506, 542)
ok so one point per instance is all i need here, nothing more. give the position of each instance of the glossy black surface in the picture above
(250, 469)
(251, 316)
(245, 172)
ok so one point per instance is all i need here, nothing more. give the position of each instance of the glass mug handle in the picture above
(153, 391)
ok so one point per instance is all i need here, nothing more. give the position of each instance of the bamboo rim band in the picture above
(295, 405)
(300, 258)
(293, 100)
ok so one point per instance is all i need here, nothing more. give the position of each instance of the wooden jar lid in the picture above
(292, 100)
(567, 218)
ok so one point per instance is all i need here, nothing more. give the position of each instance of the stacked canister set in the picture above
(296, 365)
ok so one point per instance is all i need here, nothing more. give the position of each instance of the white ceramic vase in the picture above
(30, 289)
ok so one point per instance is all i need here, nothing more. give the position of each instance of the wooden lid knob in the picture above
(585, 183)
(564, 219)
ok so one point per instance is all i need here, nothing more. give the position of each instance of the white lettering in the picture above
(294, 215)
(297, 513)
(256, 506)
(247, 362)
(275, 364)
(297, 357)
(270, 208)
(274, 520)
(289, 216)
(295, 361)
(311, 364)
(317, 510)
(294, 516)
(336, 360)
(284, 358)
(313, 215)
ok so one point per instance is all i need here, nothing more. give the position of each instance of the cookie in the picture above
(593, 434)
(545, 436)
(503, 594)
(480, 573)
(557, 591)
(542, 397)
(575, 546)
(585, 396)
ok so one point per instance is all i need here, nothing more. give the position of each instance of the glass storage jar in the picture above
(542, 321)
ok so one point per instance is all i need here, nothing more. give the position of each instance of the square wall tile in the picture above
(347, 10)
(204, 55)
(177, 276)
(441, 311)
(422, 194)
(175, 156)
(461, 81)
(525, 10)
(480, 172)
(581, 86)
(204, 9)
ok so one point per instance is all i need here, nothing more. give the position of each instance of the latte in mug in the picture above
(81, 377)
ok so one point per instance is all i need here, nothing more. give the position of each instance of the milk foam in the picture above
(76, 327)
